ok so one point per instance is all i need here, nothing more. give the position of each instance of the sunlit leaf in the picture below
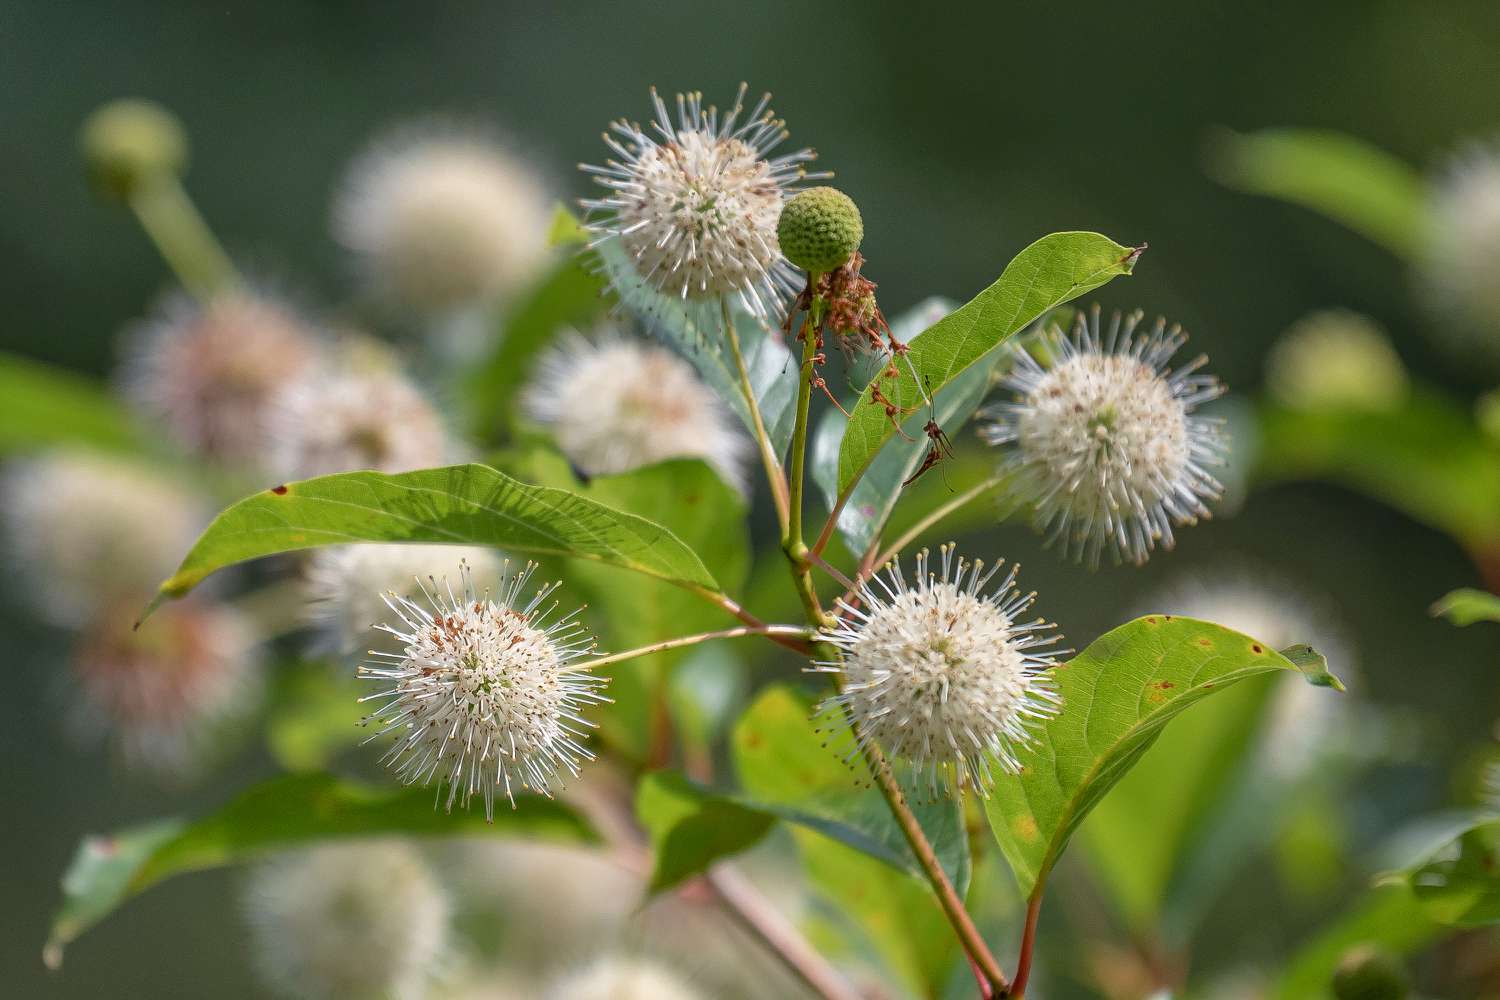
(691, 828)
(1468, 606)
(1117, 695)
(42, 406)
(1458, 884)
(1051, 271)
(281, 813)
(1344, 178)
(462, 504)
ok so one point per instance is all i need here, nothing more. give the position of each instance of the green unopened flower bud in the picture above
(1369, 973)
(128, 142)
(820, 229)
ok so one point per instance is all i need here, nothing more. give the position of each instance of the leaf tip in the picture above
(1314, 666)
(1127, 263)
(52, 952)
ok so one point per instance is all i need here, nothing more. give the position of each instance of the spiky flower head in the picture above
(692, 205)
(615, 404)
(940, 672)
(1336, 359)
(130, 143)
(365, 414)
(208, 372)
(348, 920)
(344, 586)
(486, 693)
(163, 694)
(820, 229)
(86, 531)
(439, 218)
(1458, 263)
(1101, 439)
(621, 978)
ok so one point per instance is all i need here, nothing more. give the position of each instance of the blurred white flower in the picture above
(88, 530)
(345, 585)
(1463, 243)
(347, 922)
(621, 978)
(207, 371)
(352, 417)
(1278, 613)
(1101, 440)
(486, 695)
(614, 405)
(940, 674)
(161, 696)
(692, 206)
(440, 218)
(1336, 359)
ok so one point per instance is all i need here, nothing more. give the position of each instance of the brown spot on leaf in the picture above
(279, 490)
(1257, 648)
(1025, 828)
(1206, 642)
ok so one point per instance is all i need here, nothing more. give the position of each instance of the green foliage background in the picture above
(965, 133)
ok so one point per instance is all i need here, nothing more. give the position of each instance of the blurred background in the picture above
(964, 133)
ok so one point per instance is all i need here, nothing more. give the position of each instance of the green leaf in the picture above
(1139, 836)
(1467, 606)
(281, 813)
(1426, 459)
(1117, 695)
(1458, 884)
(315, 714)
(461, 504)
(1051, 271)
(893, 911)
(1390, 918)
(1337, 175)
(696, 330)
(42, 406)
(691, 828)
(869, 505)
(571, 295)
(785, 768)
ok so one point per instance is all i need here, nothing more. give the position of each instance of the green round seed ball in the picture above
(127, 142)
(1368, 973)
(820, 229)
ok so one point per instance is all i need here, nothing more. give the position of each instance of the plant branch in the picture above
(760, 918)
(791, 542)
(184, 240)
(831, 570)
(933, 516)
(734, 608)
(770, 631)
(1028, 945)
(826, 534)
(775, 478)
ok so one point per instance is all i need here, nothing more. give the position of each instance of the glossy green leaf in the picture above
(785, 768)
(1117, 695)
(1468, 606)
(42, 406)
(1390, 918)
(1337, 175)
(696, 329)
(874, 496)
(894, 912)
(462, 504)
(691, 828)
(1459, 883)
(1051, 271)
(281, 813)
(1426, 459)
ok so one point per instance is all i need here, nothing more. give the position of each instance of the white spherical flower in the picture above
(88, 530)
(1101, 440)
(1278, 613)
(346, 419)
(207, 372)
(441, 218)
(614, 405)
(347, 922)
(486, 694)
(345, 585)
(1463, 243)
(692, 205)
(1336, 359)
(160, 696)
(621, 978)
(942, 675)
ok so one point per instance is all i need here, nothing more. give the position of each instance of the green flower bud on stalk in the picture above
(1369, 973)
(820, 229)
(129, 142)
